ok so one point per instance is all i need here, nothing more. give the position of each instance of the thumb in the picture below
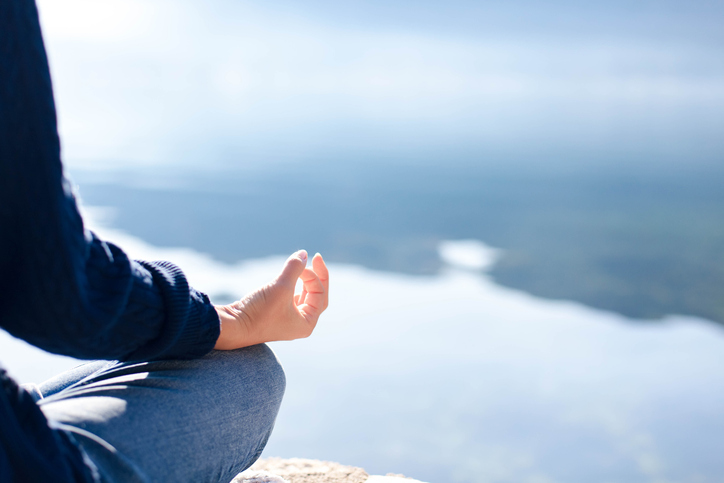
(293, 268)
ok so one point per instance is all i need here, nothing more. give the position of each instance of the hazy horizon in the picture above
(227, 83)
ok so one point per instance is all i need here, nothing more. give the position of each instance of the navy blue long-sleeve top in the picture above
(61, 287)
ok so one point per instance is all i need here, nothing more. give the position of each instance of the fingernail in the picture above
(302, 255)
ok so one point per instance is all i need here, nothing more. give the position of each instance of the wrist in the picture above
(233, 334)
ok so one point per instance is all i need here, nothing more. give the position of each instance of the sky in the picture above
(224, 83)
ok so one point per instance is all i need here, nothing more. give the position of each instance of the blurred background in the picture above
(521, 203)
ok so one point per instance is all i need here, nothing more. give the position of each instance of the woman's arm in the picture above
(67, 291)
(62, 288)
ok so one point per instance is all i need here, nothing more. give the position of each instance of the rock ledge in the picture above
(298, 470)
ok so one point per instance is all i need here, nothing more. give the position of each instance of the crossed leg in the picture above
(201, 420)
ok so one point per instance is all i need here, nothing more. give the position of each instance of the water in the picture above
(639, 241)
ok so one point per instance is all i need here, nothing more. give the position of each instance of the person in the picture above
(182, 390)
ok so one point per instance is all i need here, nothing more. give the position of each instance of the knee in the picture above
(270, 372)
(260, 371)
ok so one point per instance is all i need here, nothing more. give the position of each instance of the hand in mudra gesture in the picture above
(273, 312)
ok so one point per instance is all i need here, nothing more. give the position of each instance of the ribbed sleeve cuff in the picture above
(202, 328)
(191, 325)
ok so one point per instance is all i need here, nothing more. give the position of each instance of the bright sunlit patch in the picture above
(93, 21)
(468, 254)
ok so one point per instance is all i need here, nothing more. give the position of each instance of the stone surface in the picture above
(390, 479)
(253, 476)
(297, 470)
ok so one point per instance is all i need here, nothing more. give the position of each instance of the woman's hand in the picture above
(273, 312)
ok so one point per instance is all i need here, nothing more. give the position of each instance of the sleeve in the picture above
(61, 287)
